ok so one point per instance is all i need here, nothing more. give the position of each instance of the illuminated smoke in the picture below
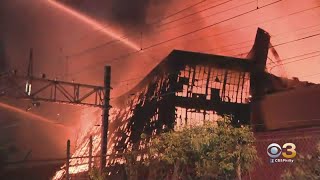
(93, 23)
(136, 13)
(128, 14)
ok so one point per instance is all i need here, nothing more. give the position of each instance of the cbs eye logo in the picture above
(274, 150)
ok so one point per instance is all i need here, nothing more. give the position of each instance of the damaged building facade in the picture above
(186, 88)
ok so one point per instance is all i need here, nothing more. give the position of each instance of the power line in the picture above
(208, 26)
(242, 42)
(264, 22)
(109, 42)
(294, 61)
(150, 24)
(299, 39)
(216, 5)
(123, 37)
(285, 59)
(256, 23)
(261, 7)
(293, 57)
(295, 40)
(280, 44)
(178, 12)
(183, 35)
(203, 18)
(132, 79)
(271, 60)
(300, 29)
(248, 46)
(245, 26)
(247, 41)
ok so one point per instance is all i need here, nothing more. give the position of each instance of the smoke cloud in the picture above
(2, 56)
(2, 46)
(136, 12)
(125, 13)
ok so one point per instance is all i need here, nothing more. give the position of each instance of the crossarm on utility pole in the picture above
(52, 91)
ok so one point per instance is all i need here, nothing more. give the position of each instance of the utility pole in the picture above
(105, 118)
(62, 92)
(90, 153)
(68, 161)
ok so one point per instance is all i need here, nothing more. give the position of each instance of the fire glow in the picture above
(119, 120)
(79, 165)
(93, 23)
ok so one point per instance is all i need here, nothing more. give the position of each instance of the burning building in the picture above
(185, 89)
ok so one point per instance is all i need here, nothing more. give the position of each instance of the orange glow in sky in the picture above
(94, 24)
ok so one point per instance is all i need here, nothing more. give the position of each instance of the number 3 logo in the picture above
(292, 149)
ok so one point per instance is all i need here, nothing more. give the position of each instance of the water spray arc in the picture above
(93, 23)
(28, 114)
